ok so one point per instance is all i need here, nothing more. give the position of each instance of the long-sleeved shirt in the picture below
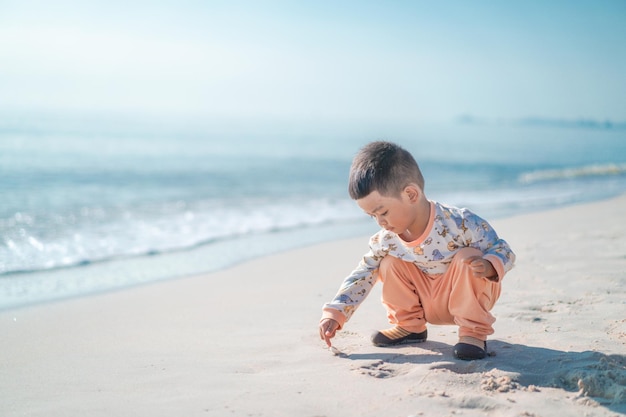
(449, 229)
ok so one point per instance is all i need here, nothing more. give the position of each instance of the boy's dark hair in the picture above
(384, 167)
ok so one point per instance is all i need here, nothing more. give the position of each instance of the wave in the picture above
(597, 170)
(25, 247)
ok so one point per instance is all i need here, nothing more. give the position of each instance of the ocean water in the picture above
(92, 205)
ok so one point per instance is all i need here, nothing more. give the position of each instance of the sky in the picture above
(347, 61)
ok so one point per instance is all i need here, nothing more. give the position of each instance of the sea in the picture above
(100, 203)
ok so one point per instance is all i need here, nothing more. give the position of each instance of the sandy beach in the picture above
(244, 341)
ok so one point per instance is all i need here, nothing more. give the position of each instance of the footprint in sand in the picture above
(377, 369)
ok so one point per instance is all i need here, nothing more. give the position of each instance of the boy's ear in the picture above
(413, 192)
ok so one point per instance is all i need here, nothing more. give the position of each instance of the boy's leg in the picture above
(456, 297)
(470, 299)
(400, 296)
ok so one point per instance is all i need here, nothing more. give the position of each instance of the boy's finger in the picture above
(327, 337)
(471, 259)
(329, 332)
(324, 329)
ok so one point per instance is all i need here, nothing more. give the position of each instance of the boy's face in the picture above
(395, 214)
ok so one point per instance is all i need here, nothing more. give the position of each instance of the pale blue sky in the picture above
(388, 61)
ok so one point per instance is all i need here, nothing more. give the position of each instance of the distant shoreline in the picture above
(579, 123)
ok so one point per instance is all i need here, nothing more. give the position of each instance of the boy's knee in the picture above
(388, 263)
(390, 266)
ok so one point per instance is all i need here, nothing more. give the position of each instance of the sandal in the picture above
(397, 335)
(469, 352)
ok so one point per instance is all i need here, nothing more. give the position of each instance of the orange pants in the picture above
(413, 298)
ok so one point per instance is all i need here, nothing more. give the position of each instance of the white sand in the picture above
(244, 342)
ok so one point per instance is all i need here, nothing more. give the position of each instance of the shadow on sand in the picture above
(592, 374)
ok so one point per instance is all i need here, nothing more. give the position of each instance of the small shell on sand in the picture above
(334, 350)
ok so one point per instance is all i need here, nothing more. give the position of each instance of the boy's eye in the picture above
(385, 213)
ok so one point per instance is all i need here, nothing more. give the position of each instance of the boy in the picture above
(438, 264)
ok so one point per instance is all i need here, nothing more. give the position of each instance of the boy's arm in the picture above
(351, 294)
(481, 235)
(353, 290)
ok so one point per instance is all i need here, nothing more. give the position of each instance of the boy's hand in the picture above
(328, 327)
(482, 268)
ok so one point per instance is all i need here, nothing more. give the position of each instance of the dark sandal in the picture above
(469, 352)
